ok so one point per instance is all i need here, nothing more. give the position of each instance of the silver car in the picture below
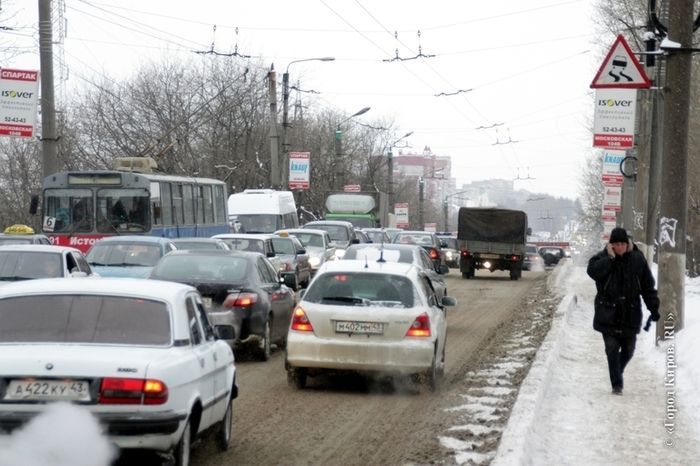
(318, 245)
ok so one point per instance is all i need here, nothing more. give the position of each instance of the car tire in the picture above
(297, 378)
(184, 446)
(225, 429)
(433, 374)
(265, 348)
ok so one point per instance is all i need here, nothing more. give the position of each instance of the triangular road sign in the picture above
(621, 69)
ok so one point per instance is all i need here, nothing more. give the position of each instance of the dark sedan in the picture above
(241, 289)
(425, 239)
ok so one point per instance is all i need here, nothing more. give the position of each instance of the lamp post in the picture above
(337, 168)
(285, 113)
(390, 170)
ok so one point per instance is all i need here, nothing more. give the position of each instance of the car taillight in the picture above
(420, 327)
(240, 300)
(465, 253)
(124, 391)
(434, 254)
(514, 258)
(300, 322)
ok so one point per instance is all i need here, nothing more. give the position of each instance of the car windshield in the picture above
(246, 244)
(309, 239)
(336, 232)
(124, 254)
(376, 236)
(531, 249)
(361, 289)
(407, 238)
(283, 246)
(450, 242)
(374, 253)
(84, 319)
(194, 268)
(26, 265)
(189, 245)
(7, 240)
(264, 223)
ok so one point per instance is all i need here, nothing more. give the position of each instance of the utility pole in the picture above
(274, 136)
(628, 191)
(641, 192)
(285, 128)
(445, 213)
(674, 199)
(390, 179)
(49, 140)
(421, 202)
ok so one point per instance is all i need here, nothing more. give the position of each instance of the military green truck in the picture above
(491, 239)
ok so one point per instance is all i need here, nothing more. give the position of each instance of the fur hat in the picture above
(618, 235)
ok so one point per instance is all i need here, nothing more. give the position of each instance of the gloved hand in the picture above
(611, 252)
(655, 316)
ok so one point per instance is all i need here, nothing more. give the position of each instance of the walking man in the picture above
(621, 275)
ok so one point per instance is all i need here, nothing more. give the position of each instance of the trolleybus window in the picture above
(122, 210)
(68, 210)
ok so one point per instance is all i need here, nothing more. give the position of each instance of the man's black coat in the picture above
(620, 282)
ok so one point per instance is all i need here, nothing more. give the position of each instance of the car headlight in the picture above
(448, 255)
(339, 253)
(314, 261)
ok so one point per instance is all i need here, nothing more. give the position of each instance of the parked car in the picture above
(318, 245)
(551, 255)
(404, 253)
(127, 256)
(532, 259)
(342, 233)
(377, 235)
(425, 239)
(450, 250)
(22, 234)
(368, 317)
(200, 243)
(31, 261)
(238, 288)
(293, 261)
(142, 357)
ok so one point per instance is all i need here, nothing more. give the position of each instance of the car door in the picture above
(302, 259)
(437, 280)
(203, 379)
(279, 297)
(438, 318)
(329, 253)
(222, 393)
(83, 266)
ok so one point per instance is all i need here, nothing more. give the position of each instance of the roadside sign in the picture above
(620, 69)
(613, 124)
(18, 102)
(612, 198)
(401, 214)
(299, 168)
(432, 227)
(352, 188)
(611, 167)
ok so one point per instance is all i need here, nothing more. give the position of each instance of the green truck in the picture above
(491, 239)
(362, 209)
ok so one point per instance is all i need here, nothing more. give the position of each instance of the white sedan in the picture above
(140, 355)
(368, 317)
(30, 261)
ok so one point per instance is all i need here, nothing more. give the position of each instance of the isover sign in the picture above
(613, 127)
(18, 102)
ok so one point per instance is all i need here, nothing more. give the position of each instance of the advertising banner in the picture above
(612, 198)
(401, 214)
(611, 167)
(613, 125)
(18, 102)
(299, 170)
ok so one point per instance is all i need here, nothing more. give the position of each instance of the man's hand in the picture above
(611, 252)
(655, 316)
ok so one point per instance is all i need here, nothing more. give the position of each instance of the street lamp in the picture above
(230, 171)
(390, 170)
(339, 144)
(285, 111)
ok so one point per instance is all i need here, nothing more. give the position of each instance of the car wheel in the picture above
(223, 435)
(182, 450)
(433, 374)
(297, 378)
(265, 343)
(441, 366)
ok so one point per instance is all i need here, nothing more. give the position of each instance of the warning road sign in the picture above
(621, 69)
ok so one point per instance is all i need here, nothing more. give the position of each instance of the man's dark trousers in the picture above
(619, 349)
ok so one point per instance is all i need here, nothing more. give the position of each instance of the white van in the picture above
(262, 211)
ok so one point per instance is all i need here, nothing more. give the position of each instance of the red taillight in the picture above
(514, 258)
(300, 322)
(420, 327)
(465, 253)
(240, 300)
(434, 254)
(132, 391)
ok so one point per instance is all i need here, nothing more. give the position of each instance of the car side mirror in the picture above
(270, 254)
(355, 241)
(224, 332)
(288, 280)
(448, 301)
(443, 244)
(331, 245)
(301, 251)
(443, 269)
(78, 273)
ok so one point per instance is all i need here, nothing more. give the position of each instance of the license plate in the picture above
(374, 328)
(43, 390)
(207, 302)
(489, 256)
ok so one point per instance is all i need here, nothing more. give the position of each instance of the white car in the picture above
(140, 355)
(30, 261)
(368, 317)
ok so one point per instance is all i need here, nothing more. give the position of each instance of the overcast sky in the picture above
(526, 66)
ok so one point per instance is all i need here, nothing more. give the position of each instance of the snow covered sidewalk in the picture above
(565, 412)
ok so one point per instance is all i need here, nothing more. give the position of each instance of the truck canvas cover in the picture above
(492, 225)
